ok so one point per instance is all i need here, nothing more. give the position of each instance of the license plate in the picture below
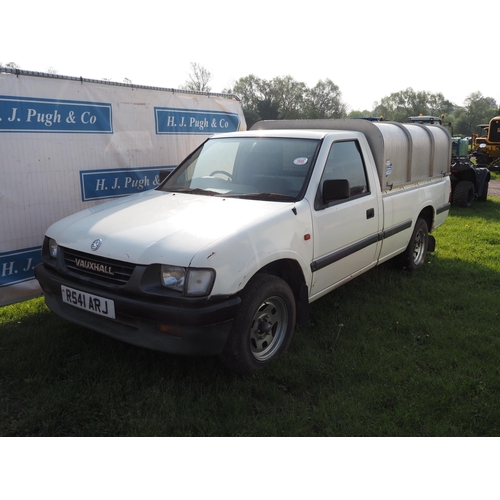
(89, 302)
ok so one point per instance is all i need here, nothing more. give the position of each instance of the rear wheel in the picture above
(463, 195)
(263, 327)
(413, 257)
(484, 194)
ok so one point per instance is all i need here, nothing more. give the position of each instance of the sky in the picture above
(370, 49)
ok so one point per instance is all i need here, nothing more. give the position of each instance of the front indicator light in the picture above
(191, 282)
(169, 330)
(200, 281)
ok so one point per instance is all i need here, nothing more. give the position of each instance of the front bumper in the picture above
(200, 326)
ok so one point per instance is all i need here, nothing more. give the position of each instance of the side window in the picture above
(345, 162)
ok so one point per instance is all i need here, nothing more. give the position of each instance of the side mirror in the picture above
(335, 189)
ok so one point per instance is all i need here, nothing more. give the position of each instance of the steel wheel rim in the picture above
(268, 328)
(419, 247)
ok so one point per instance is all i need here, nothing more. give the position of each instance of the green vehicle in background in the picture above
(469, 181)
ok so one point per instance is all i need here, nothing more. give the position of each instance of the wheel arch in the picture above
(290, 271)
(428, 214)
(464, 175)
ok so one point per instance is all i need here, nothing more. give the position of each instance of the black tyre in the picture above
(413, 257)
(463, 195)
(494, 166)
(484, 194)
(482, 159)
(263, 328)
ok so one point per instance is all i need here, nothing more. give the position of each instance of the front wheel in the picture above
(413, 257)
(263, 327)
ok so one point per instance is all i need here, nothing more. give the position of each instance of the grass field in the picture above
(389, 354)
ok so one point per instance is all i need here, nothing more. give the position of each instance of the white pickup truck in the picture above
(224, 257)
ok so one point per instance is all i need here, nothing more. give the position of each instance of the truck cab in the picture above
(224, 257)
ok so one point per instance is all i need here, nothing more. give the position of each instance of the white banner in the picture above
(67, 144)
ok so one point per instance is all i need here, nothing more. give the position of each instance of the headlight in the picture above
(191, 282)
(52, 248)
(173, 277)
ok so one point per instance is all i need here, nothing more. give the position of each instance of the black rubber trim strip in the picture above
(442, 209)
(356, 247)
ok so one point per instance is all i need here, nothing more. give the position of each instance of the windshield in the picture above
(249, 167)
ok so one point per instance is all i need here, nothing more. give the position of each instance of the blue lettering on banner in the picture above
(191, 121)
(19, 265)
(27, 114)
(113, 183)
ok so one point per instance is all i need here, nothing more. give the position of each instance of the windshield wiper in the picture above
(264, 196)
(205, 192)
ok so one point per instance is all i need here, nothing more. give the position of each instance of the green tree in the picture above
(324, 100)
(360, 114)
(477, 109)
(279, 98)
(399, 106)
(290, 95)
(199, 79)
(268, 110)
(12, 65)
(250, 89)
(287, 98)
(438, 105)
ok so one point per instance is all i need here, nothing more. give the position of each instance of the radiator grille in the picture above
(99, 269)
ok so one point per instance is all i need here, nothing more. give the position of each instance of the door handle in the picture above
(370, 213)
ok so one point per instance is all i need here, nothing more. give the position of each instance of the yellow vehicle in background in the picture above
(486, 144)
(469, 182)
